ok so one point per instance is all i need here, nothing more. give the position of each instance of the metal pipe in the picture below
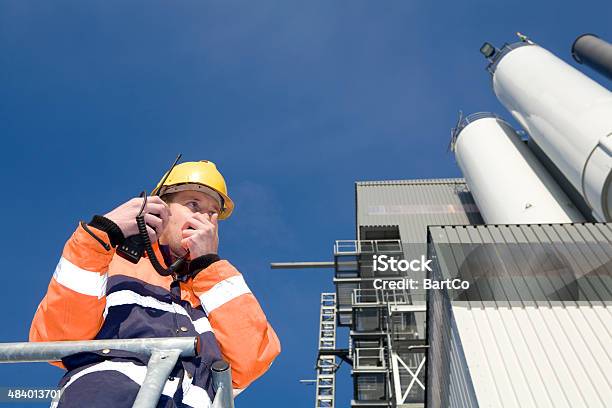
(222, 382)
(590, 50)
(418, 347)
(56, 350)
(159, 368)
(301, 265)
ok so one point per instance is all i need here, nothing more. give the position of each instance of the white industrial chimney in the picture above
(567, 114)
(508, 183)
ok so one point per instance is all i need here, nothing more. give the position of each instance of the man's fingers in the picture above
(194, 223)
(160, 211)
(152, 234)
(156, 200)
(124, 215)
(154, 222)
(204, 218)
(188, 232)
(215, 219)
(155, 208)
(185, 243)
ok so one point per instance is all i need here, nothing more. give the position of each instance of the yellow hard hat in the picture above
(191, 175)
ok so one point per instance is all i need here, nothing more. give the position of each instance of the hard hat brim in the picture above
(228, 203)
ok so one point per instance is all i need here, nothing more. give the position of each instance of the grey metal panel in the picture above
(537, 356)
(448, 379)
(577, 259)
(524, 354)
(412, 205)
(415, 204)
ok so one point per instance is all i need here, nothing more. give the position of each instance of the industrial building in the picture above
(528, 226)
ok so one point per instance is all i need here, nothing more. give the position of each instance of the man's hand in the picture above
(156, 216)
(200, 235)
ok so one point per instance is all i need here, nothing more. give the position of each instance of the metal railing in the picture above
(393, 297)
(163, 354)
(222, 383)
(364, 297)
(463, 121)
(356, 247)
(503, 51)
(405, 383)
(369, 358)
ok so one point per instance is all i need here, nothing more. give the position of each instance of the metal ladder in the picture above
(163, 354)
(326, 364)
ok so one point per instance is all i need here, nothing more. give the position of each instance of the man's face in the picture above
(184, 205)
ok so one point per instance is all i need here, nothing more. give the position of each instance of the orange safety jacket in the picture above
(94, 294)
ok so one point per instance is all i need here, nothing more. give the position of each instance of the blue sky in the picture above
(294, 101)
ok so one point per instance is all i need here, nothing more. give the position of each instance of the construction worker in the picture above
(96, 294)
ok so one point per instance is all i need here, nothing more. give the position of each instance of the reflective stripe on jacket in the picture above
(94, 294)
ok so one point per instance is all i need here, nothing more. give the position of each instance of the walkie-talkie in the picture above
(135, 246)
(132, 249)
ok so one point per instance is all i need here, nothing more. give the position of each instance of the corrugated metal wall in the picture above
(543, 354)
(520, 264)
(448, 379)
(415, 204)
